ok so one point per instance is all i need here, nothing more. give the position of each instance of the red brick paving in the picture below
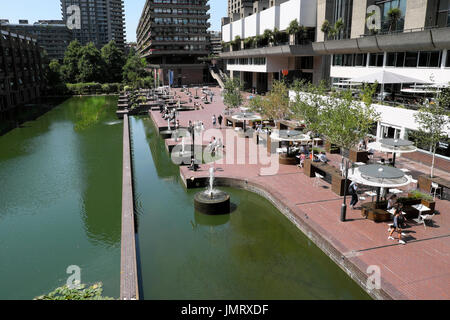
(418, 270)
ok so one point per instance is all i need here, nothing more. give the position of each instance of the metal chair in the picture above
(436, 187)
(317, 179)
(423, 218)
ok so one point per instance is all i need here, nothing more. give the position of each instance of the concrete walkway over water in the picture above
(418, 270)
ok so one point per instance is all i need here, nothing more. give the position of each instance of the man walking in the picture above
(214, 121)
(353, 191)
(220, 120)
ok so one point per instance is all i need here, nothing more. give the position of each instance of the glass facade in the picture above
(343, 9)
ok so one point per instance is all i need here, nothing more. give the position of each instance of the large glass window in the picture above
(430, 59)
(390, 59)
(343, 9)
(443, 13)
(376, 59)
(411, 59)
(386, 23)
(447, 62)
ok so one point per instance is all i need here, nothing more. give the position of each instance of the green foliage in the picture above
(394, 15)
(114, 61)
(92, 88)
(71, 58)
(293, 28)
(368, 92)
(433, 120)
(134, 69)
(341, 119)
(277, 36)
(275, 105)
(325, 28)
(53, 73)
(90, 65)
(416, 194)
(93, 292)
(232, 97)
(268, 35)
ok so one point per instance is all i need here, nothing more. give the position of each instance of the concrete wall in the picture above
(237, 29)
(359, 18)
(415, 14)
(251, 26)
(269, 19)
(321, 11)
(226, 33)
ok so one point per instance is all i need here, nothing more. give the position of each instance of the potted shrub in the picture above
(424, 198)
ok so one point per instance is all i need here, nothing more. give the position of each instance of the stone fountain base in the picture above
(219, 204)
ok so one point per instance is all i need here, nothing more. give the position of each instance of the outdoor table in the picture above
(421, 208)
(371, 194)
(395, 191)
(360, 163)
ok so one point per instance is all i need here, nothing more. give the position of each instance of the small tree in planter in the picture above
(394, 15)
(338, 27)
(275, 105)
(293, 30)
(433, 122)
(325, 29)
(268, 36)
(232, 97)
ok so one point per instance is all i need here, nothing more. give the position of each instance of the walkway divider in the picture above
(129, 289)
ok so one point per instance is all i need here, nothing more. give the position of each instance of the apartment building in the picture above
(172, 35)
(100, 20)
(52, 35)
(21, 72)
(416, 44)
(257, 61)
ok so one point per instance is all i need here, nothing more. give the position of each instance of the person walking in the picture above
(220, 118)
(214, 120)
(353, 191)
(397, 226)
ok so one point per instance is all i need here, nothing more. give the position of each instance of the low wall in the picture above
(128, 262)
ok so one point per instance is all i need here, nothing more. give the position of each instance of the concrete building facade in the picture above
(258, 61)
(21, 71)
(100, 20)
(172, 35)
(52, 35)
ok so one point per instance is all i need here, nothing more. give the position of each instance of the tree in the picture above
(275, 105)
(325, 28)
(134, 69)
(90, 65)
(433, 123)
(53, 74)
(232, 97)
(268, 36)
(93, 292)
(338, 27)
(394, 15)
(70, 64)
(293, 28)
(114, 61)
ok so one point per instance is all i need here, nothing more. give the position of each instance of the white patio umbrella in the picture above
(289, 136)
(246, 116)
(393, 146)
(385, 77)
(379, 176)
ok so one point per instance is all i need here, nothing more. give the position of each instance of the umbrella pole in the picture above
(378, 195)
(344, 204)
(393, 159)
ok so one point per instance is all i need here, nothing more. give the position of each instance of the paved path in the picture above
(418, 270)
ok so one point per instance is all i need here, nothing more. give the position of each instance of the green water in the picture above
(254, 253)
(60, 199)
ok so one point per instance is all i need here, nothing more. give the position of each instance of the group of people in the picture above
(399, 219)
(215, 146)
(217, 119)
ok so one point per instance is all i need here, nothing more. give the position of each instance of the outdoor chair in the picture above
(423, 218)
(436, 188)
(317, 179)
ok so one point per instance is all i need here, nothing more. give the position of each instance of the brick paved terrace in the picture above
(418, 270)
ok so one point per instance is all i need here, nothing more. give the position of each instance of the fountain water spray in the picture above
(211, 183)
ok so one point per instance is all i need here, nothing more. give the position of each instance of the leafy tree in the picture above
(268, 36)
(433, 120)
(134, 69)
(338, 27)
(325, 28)
(90, 65)
(276, 104)
(293, 28)
(394, 15)
(53, 73)
(114, 61)
(232, 96)
(70, 64)
(93, 292)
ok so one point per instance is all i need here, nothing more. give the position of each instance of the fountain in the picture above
(212, 201)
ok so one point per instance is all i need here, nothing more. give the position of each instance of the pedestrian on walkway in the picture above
(220, 121)
(214, 121)
(353, 191)
(397, 226)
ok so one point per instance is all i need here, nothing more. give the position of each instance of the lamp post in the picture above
(344, 204)
(193, 166)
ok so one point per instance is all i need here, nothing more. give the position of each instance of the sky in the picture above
(34, 10)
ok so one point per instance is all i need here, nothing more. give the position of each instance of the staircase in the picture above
(219, 76)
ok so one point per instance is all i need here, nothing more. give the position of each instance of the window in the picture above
(400, 59)
(376, 59)
(447, 62)
(411, 59)
(360, 60)
(429, 59)
(390, 60)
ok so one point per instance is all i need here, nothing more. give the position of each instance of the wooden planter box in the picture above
(332, 148)
(358, 156)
